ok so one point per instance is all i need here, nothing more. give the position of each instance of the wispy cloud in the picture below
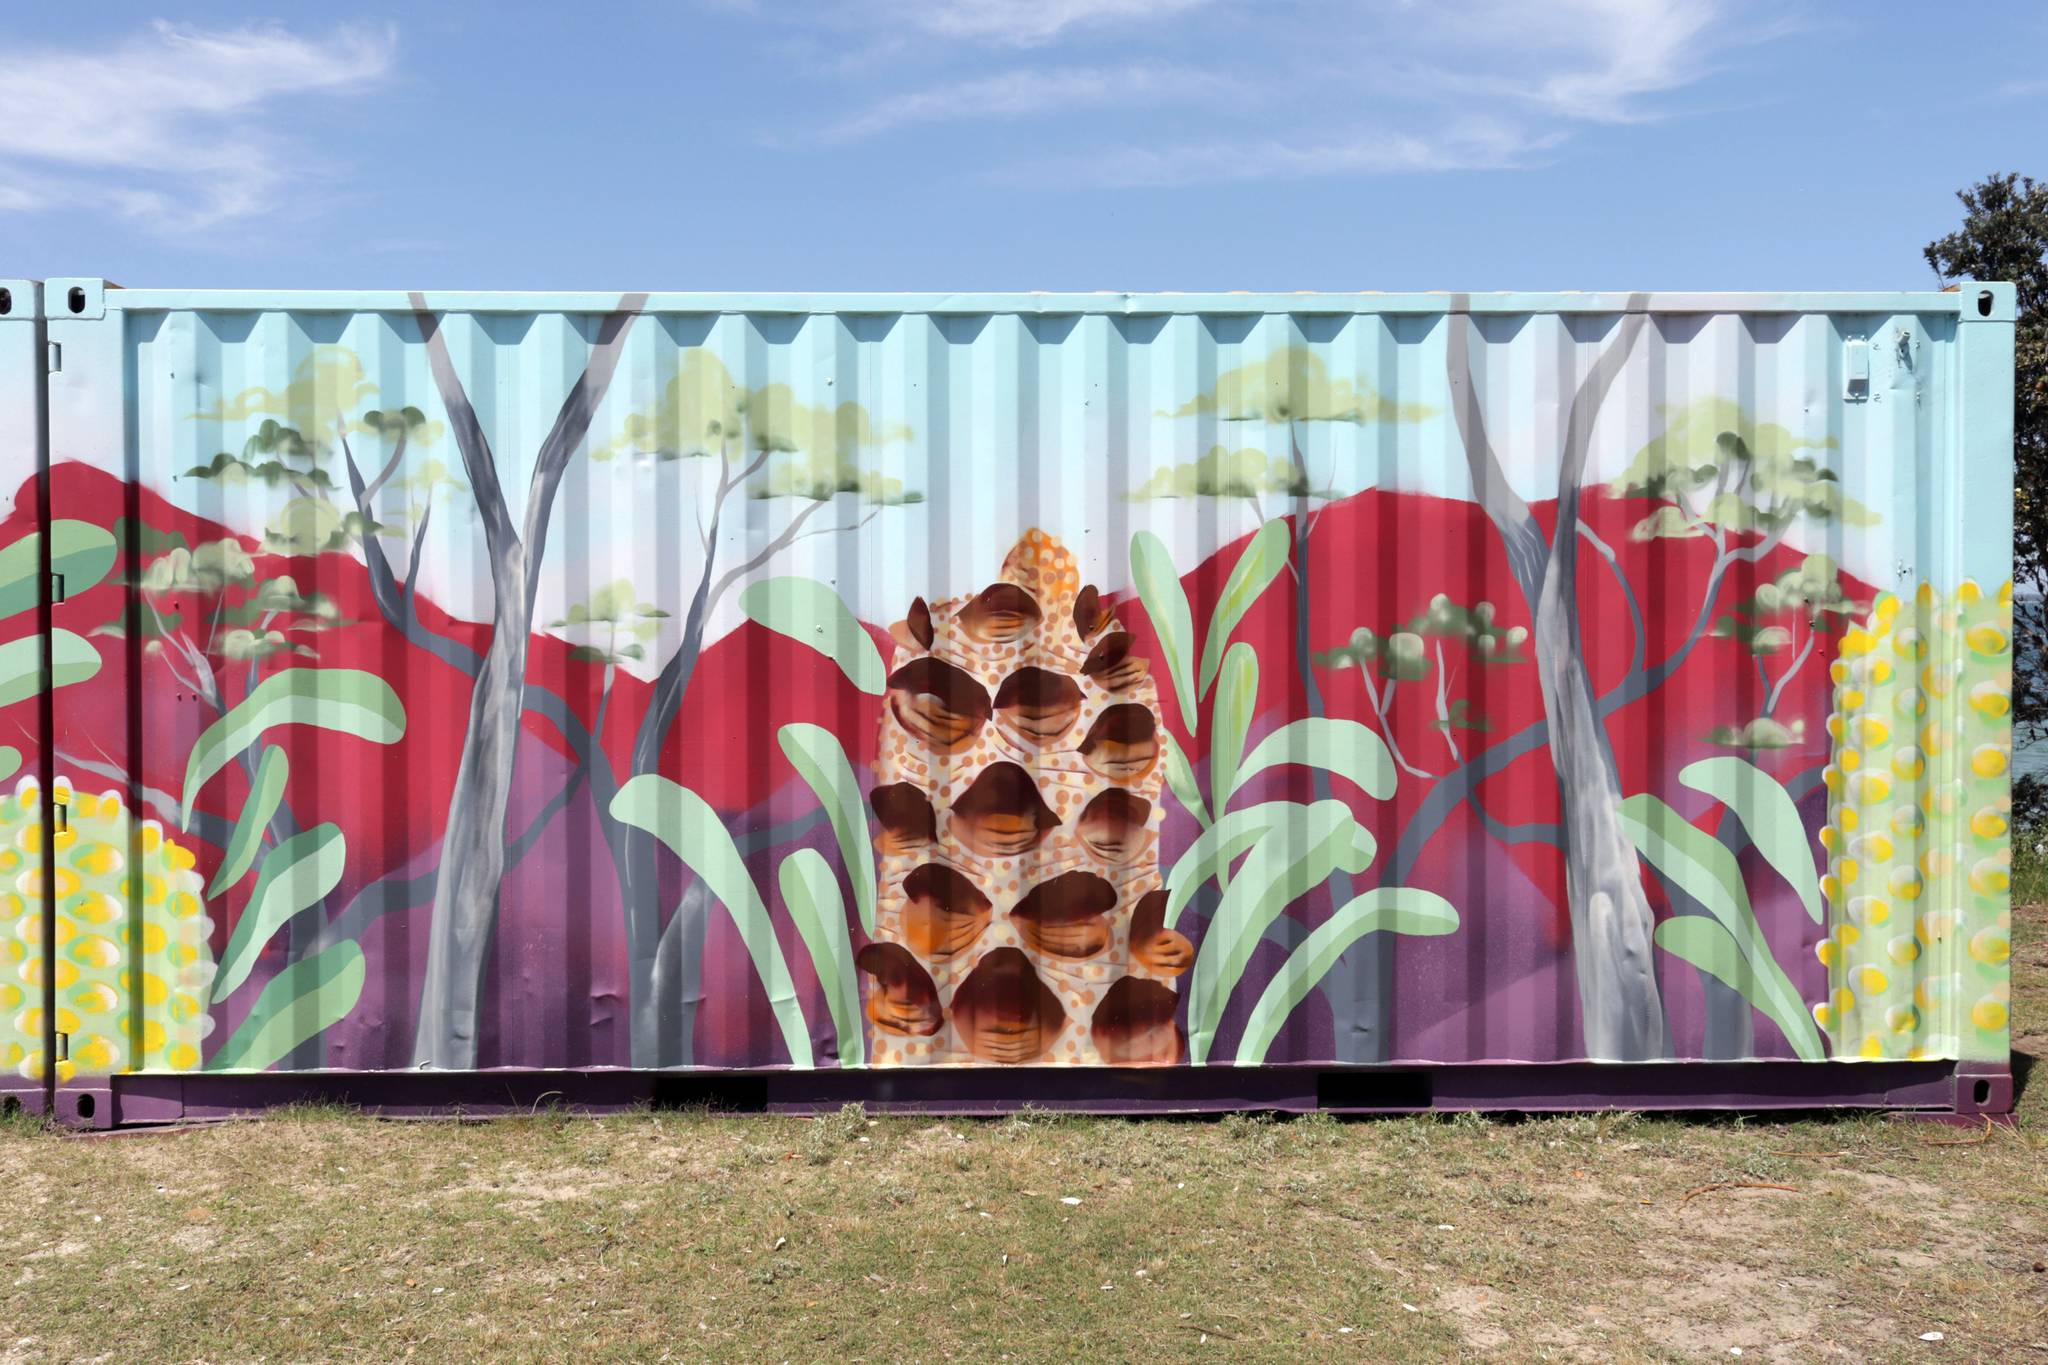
(1590, 60)
(1469, 145)
(1027, 23)
(1032, 91)
(164, 127)
(1350, 87)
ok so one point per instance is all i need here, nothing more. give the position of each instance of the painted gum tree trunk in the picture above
(473, 851)
(1622, 1013)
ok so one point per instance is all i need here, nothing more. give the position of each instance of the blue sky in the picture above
(1008, 144)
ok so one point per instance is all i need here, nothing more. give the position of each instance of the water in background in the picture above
(2030, 747)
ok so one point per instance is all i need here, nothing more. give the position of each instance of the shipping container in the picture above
(1122, 701)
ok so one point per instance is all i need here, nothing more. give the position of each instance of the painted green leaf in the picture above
(1702, 867)
(811, 892)
(811, 613)
(815, 752)
(1398, 909)
(1707, 946)
(346, 700)
(1771, 817)
(21, 663)
(297, 873)
(1263, 558)
(1237, 698)
(1181, 778)
(1167, 606)
(79, 550)
(1216, 847)
(306, 998)
(1343, 747)
(10, 761)
(686, 823)
(265, 791)
(1293, 855)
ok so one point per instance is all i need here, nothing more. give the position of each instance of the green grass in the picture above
(2030, 866)
(318, 1234)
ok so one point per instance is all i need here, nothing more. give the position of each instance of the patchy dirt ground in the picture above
(680, 1236)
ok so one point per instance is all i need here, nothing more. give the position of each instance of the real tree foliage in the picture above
(2004, 236)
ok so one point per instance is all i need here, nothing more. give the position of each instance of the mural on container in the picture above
(653, 691)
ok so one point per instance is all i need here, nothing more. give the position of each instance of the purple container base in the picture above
(1966, 1092)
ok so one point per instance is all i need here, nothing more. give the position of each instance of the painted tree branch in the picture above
(398, 605)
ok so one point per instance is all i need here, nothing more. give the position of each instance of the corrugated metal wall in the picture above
(748, 682)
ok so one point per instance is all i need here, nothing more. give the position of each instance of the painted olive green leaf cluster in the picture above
(1717, 469)
(1763, 733)
(211, 566)
(231, 469)
(1294, 384)
(1402, 652)
(1809, 597)
(614, 609)
(311, 526)
(1226, 473)
(815, 452)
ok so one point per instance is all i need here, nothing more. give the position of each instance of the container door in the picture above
(28, 1018)
(106, 990)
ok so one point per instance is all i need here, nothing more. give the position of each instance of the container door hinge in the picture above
(63, 1047)
(56, 357)
(56, 587)
(63, 817)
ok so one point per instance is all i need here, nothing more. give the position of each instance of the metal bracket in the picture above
(1978, 301)
(19, 300)
(82, 299)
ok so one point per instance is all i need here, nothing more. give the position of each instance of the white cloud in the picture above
(1472, 145)
(1027, 23)
(167, 128)
(1585, 60)
(1029, 91)
(1283, 88)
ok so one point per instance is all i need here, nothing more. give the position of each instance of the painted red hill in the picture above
(1378, 558)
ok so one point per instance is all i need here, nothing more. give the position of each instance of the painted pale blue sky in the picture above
(1008, 144)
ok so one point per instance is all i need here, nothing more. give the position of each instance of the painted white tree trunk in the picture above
(1621, 1010)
